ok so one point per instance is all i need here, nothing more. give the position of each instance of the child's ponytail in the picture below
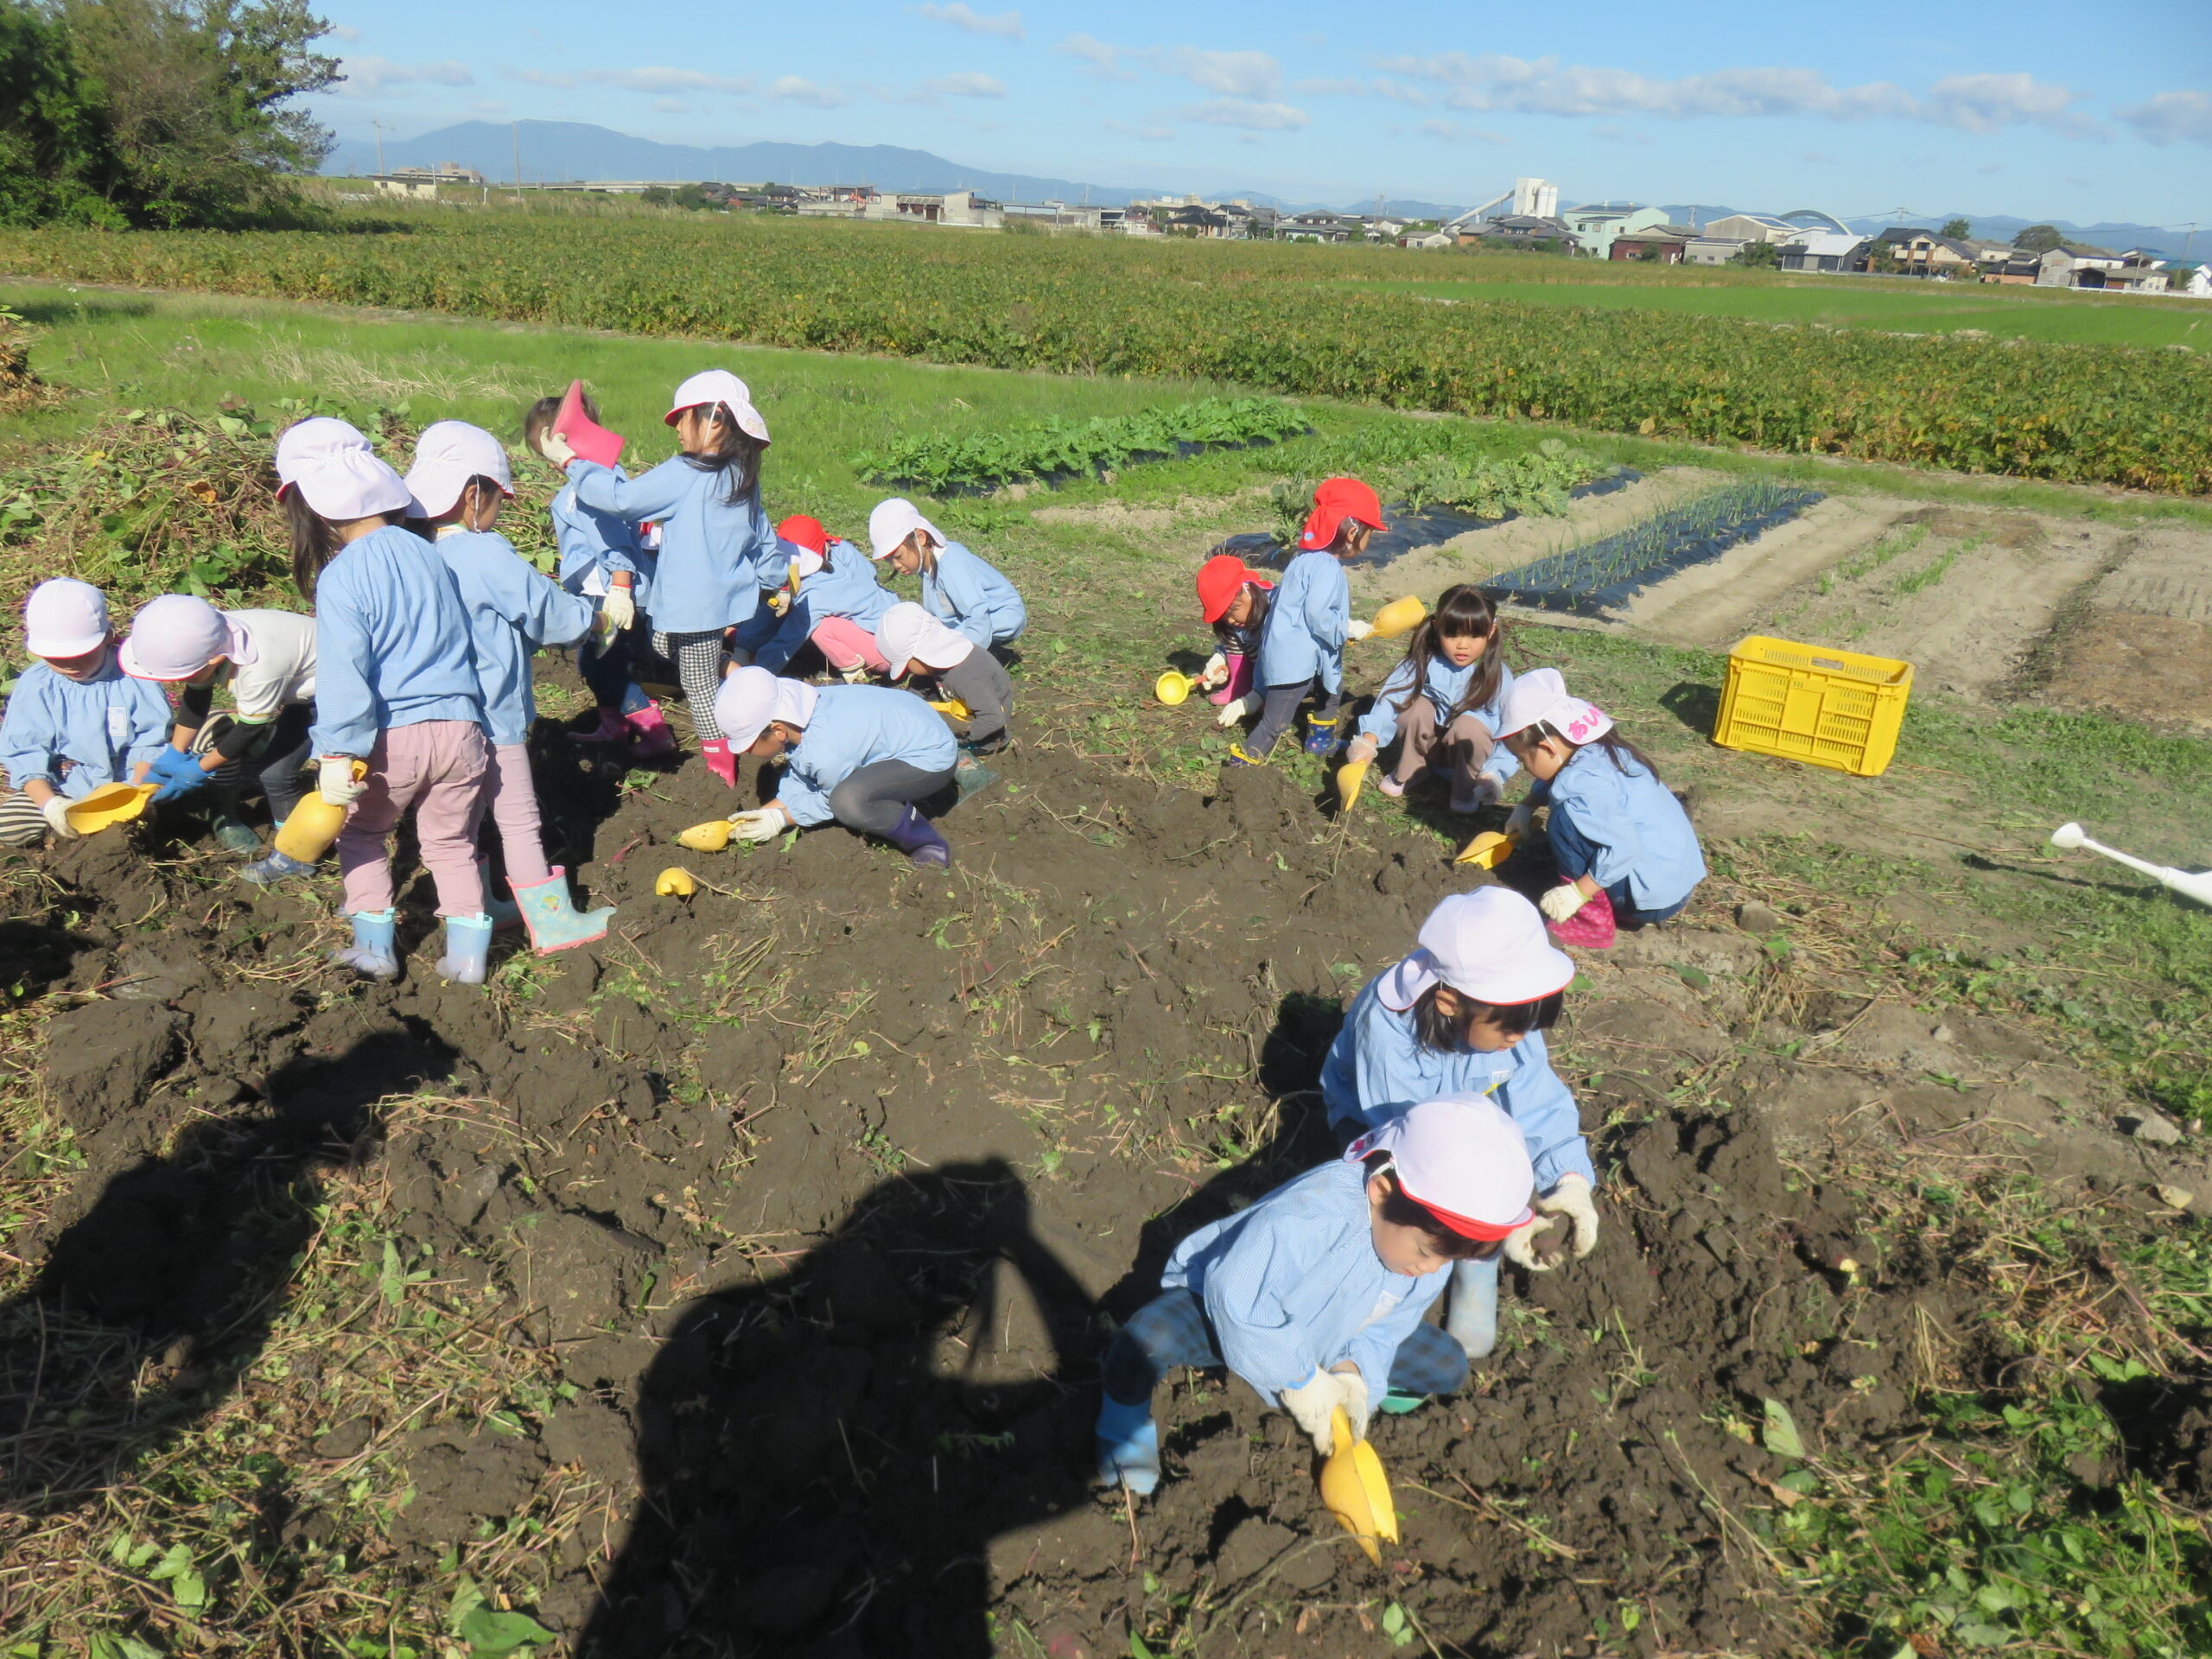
(314, 541)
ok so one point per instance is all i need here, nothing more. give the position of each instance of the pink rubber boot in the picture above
(610, 728)
(1589, 928)
(648, 734)
(1239, 680)
(720, 761)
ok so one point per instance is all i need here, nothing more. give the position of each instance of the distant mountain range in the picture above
(561, 150)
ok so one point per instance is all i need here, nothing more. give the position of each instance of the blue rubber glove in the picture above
(180, 773)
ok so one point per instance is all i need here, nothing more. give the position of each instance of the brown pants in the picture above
(1462, 747)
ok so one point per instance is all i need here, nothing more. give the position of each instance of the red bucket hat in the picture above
(1336, 499)
(1219, 579)
(802, 532)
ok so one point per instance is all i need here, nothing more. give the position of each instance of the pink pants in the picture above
(845, 644)
(514, 809)
(437, 767)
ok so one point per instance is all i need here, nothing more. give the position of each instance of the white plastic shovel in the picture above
(2196, 886)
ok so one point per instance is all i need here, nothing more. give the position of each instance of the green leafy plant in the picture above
(1057, 448)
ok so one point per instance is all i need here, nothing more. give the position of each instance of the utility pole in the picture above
(515, 126)
(381, 131)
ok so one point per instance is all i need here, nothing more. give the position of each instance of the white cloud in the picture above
(1495, 81)
(1453, 132)
(1104, 61)
(349, 35)
(366, 77)
(1233, 74)
(1243, 112)
(1006, 24)
(1380, 87)
(1150, 135)
(966, 83)
(2172, 117)
(654, 78)
(1330, 88)
(796, 89)
(671, 106)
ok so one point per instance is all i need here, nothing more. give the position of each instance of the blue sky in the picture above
(2043, 108)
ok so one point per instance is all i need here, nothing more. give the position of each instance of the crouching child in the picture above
(914, 640)
(1314, 1295)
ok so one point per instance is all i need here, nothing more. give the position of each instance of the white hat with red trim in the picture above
(1462, 1159)
(1542, 695)
(1489, 945)
(712, 386)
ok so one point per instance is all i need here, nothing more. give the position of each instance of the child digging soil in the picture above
(1314, 1295)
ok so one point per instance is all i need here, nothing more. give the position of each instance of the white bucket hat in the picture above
(337, 473)
(908, 634)
(892, 522)
(1462, 1159)
(1541, 695)
(64, 617)
(1489, 945)
(174, 637)
(719, 386)
(751, 698)
(795, 701)
(448, 454)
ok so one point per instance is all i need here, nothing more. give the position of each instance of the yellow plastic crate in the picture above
(1807, 703)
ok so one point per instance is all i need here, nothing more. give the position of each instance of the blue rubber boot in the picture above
(1238, 755)
(1320, 734)
(917, 837)
(553, 921)
(505, 912)
(273, 867)
(468, 949)
(1471, 1316)
(1129, 1446)
(372, 954)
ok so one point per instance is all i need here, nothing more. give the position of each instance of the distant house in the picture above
(1200, 221)
(1595, 225)
(1823, 250)
(1433, 241)
(1923, 253)
(2191, 281)
(1541, 234)
(1751, 227)
(1317, 227)
(1706, 249)
(1663, 243)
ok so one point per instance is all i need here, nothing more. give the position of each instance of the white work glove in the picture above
(1313, 1401)
(1521, 1244)
(1216, 672)
(1363, 747)
(619, 609)
(555, 448)
(1235, 710)
(1356, 629)
(1562, 901)
(763, 823)
(1488, 790)
(1518, 820)
(55, 812)
(1572, 1200)
(335, 782)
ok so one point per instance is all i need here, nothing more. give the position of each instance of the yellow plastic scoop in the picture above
(307, 833)
(674, 882)
(1349, 777)
(954, 706)
(1399, 616)
(107, 806)
(1356, 1490)
(708, 837)
(1172, 687)
(1488, 850)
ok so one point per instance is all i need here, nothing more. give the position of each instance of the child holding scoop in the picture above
(716, 549)
(958, 588)
(1233, 599)
(914, 640)
(75, 721)
(1443, 701)
(1626, 853)
(267, 659)
(860, 754)
(1466, 1015)
(1308, 620)
(1314, 1295)
(461, 478)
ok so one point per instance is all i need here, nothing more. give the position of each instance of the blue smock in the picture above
(1377, 1070)
(590, 542)
(1443, 685)
(714, 555)
(391, 643)
(1306, 627)
(845, 585)
(856, 726)
(105, 727)
(1643, 835)
(1292, 1285)
(512, 610)
(969, 595)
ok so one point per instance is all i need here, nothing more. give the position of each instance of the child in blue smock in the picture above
(860, 754)
(958, 588)
(460, 479)
(835, 602)
(1309, 619)
(603, 558)
(1465, 1014)
(716, 549)
(1442, 702)
(1314, 1295)
(75, 721)
(396, 695)
(1627, 856)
